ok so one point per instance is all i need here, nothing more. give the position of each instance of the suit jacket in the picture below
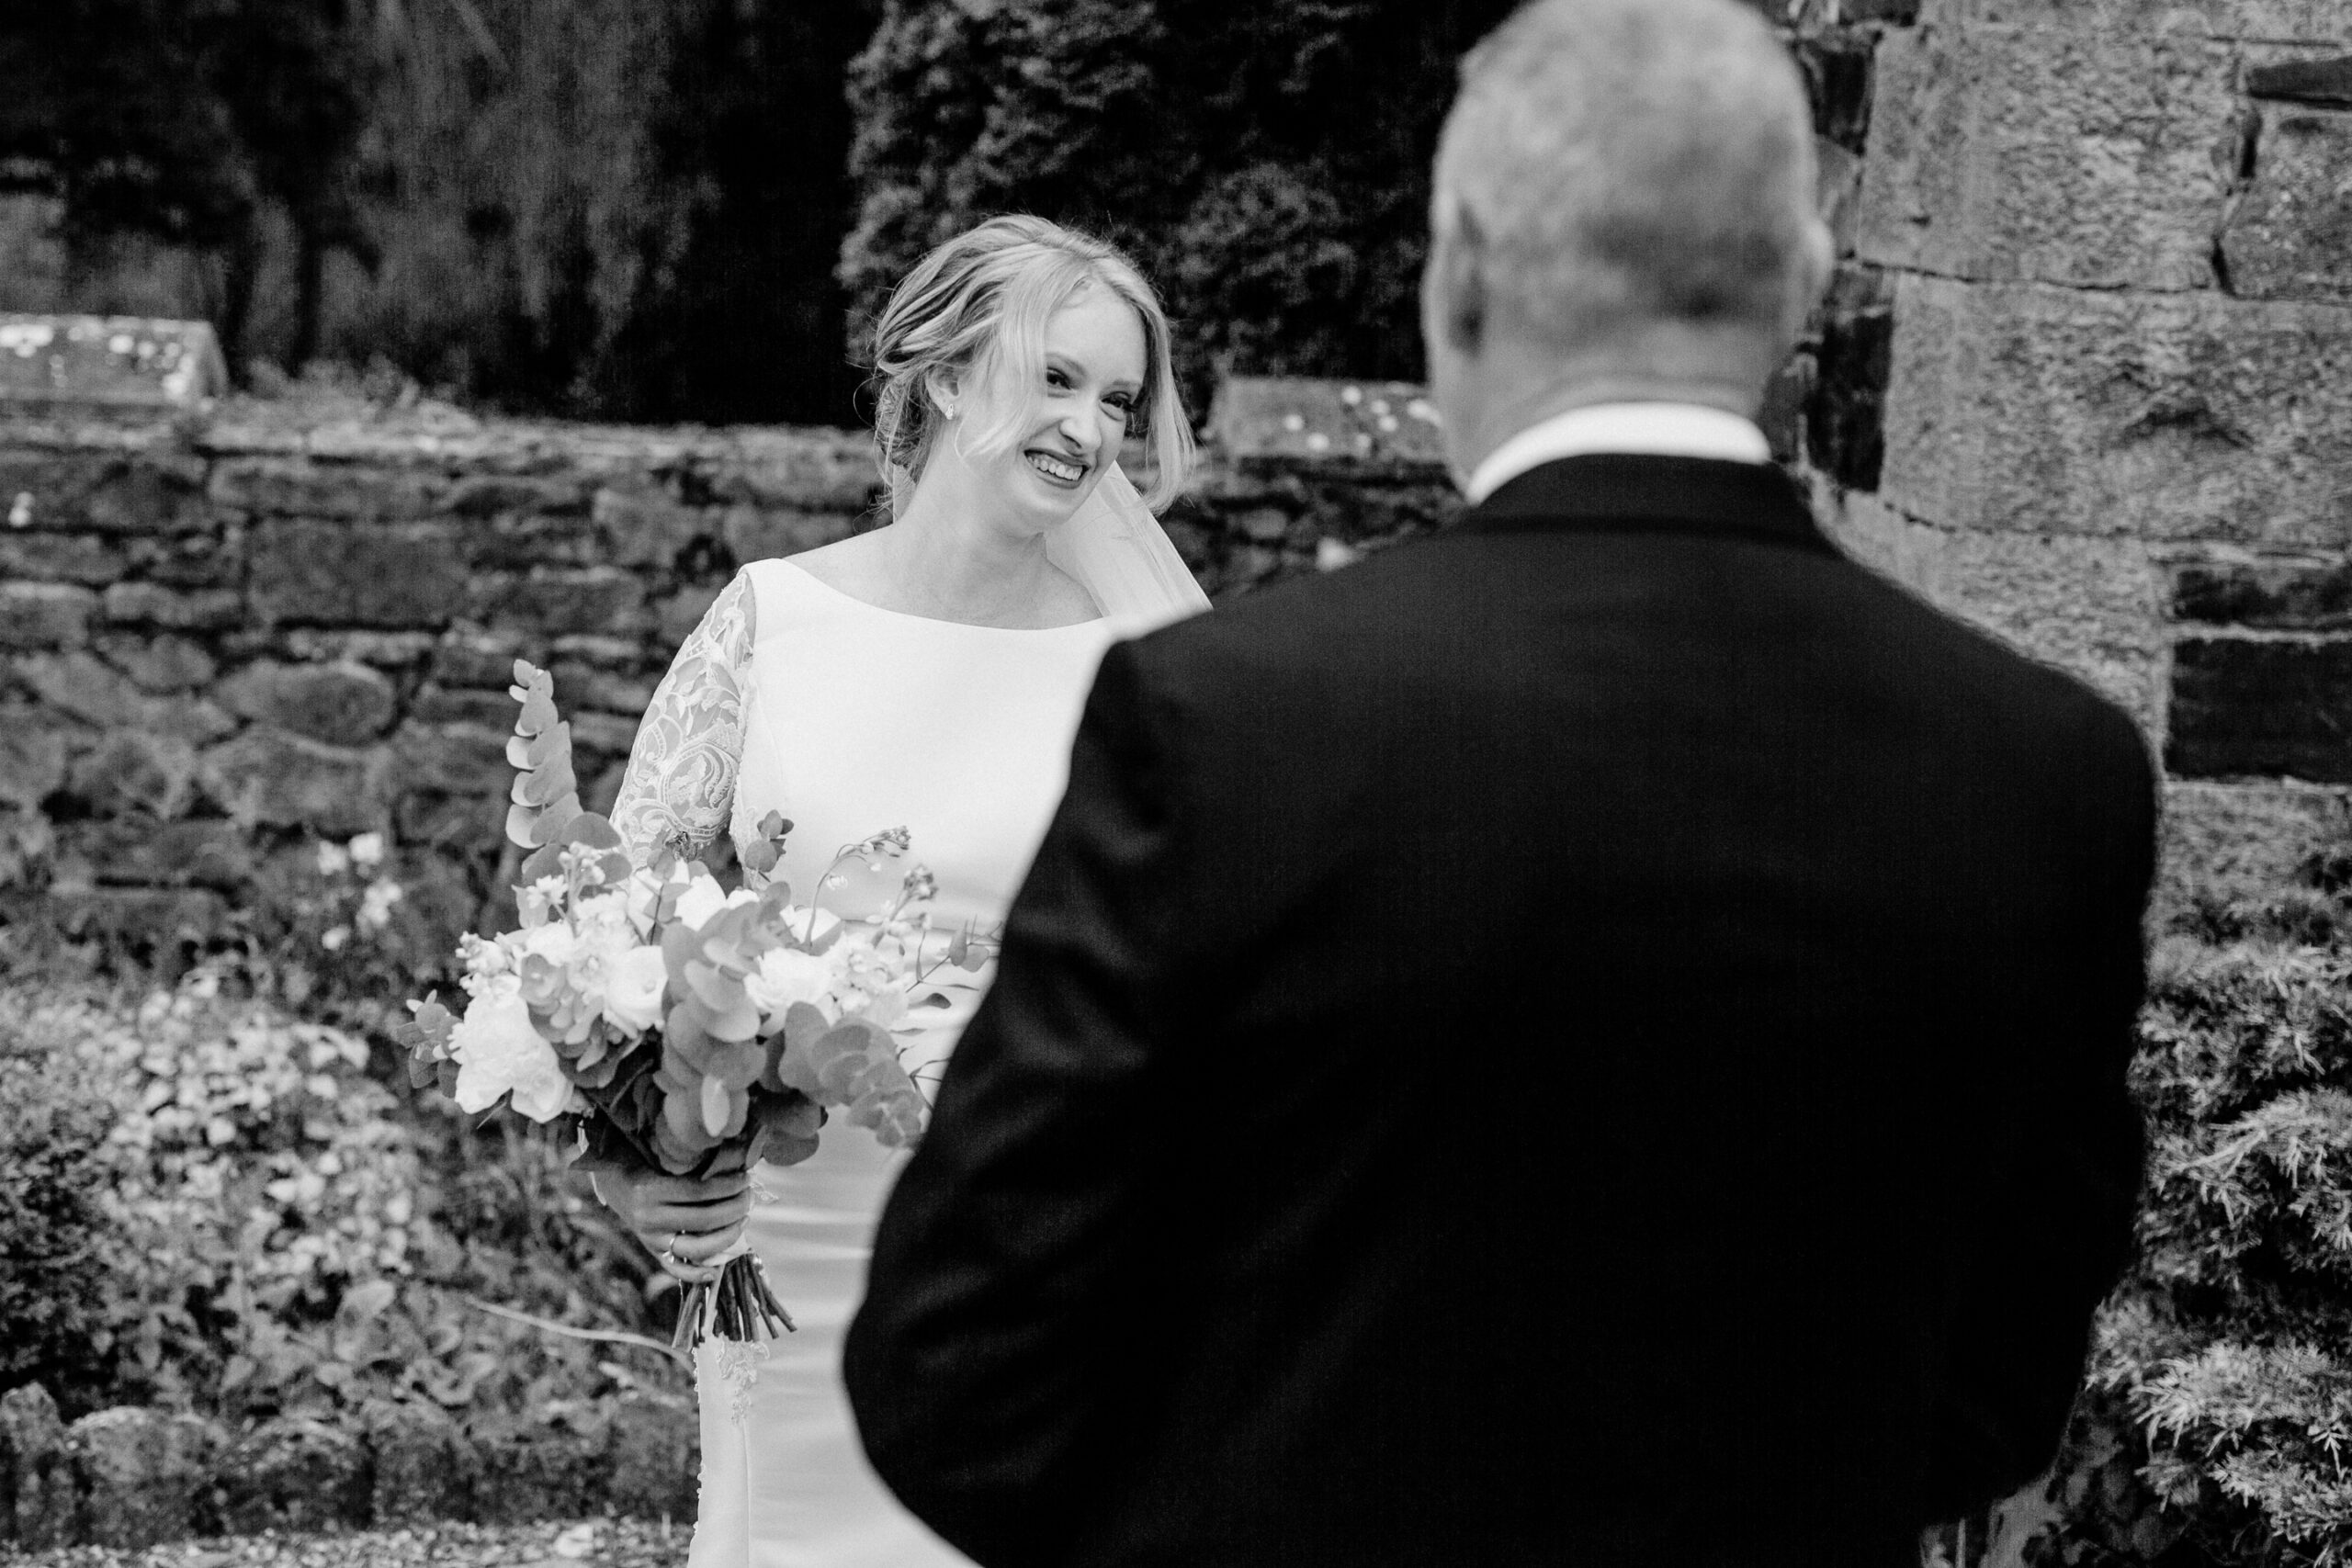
(1597, 1037)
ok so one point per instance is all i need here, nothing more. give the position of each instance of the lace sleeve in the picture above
(680, 787)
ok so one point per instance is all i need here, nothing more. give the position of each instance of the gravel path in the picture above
(596, 1543)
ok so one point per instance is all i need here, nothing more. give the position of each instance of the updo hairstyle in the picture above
(977, 307)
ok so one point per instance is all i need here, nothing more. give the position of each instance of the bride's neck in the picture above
(950, 558)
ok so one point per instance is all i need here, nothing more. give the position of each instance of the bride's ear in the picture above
(943, 387)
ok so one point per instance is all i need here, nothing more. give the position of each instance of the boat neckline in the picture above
(843, 593)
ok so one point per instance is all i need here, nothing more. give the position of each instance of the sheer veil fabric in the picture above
(790, 695)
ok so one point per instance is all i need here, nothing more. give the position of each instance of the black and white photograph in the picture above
(1176, 784)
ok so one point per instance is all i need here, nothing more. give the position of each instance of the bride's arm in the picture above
(679, 787)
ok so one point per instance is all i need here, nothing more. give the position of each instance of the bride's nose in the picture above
(1081, 432)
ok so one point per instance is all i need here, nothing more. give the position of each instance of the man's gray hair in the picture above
(1624, 161)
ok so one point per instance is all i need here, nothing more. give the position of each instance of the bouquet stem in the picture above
(737, 1306)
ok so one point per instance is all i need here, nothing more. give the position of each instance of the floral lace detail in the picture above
(679, 787)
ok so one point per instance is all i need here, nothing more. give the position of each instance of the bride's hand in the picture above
(683, 1222)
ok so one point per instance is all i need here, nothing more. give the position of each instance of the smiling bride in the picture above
(928, 674)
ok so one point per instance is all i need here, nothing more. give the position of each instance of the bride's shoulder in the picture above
(853, 565)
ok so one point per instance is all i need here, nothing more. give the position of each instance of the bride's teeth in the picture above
(1053, 469)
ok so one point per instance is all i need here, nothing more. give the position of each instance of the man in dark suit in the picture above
(1595, 1038)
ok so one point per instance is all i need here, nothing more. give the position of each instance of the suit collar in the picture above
(1633, 492)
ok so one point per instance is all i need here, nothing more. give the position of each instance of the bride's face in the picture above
(1070, 426)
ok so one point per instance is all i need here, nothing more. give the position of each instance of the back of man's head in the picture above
(1615, 164)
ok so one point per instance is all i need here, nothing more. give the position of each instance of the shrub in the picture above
(53, 1225)
(1268, 164)
(266, 1230)
(2219, 1414)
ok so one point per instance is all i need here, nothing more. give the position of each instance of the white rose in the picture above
(499, 1052)
(633, 986)
(701, 900)
(556, 941)
(784, 977)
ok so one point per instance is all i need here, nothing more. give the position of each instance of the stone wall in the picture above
(2087, 375)
(223, 635)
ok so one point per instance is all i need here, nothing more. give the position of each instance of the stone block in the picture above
(603, 735)
(268, 775)
(151, 917)
(106, 492)
(421, 1467)
(2308, 21)
(653, 1450)
(2244, 708)
(2090, 158)
(62, 557)
(2245, 839)
(469, 658)
(135, 852)
(509, 495)
(141, 1476)
(2268, 595)
(2091, 606)
(137, 770)
(294, 1473)
(343, 703)
(191, 560)
(33, 757)
(520, 543)
(595, 599)
(164, 663)
(36, 1482)
(45, 614)
(405, 575)
(582, 687)
(463, 704)
(536, 1469)
(753, 532)
(91, 362)
(817, 470)
(675, 617)
(88, 688)
(466, 759)
(1378, 423)
(464, 824)
(281, 486)
(384, 650)
(2291, 237)
(643, 525)
(152, 605)
(2326, 84)
(2184, 416)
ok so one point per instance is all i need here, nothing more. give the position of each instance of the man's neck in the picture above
(1509, 417)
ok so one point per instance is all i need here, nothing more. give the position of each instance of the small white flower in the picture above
(333, 937)
(333, 860)
(366, 850)
(376, 904)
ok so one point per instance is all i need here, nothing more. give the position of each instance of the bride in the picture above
(926, 674)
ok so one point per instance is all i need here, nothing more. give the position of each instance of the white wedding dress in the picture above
(793, 697)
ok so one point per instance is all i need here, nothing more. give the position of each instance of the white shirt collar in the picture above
(1667, 430)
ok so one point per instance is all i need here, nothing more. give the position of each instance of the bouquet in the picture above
(663, 1019)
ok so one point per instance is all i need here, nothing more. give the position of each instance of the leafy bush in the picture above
(53, 1225)
(281, 1235)
(2219, 1416)
(1268, 164)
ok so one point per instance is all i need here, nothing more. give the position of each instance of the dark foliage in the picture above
(1268, 165)
(185, 121)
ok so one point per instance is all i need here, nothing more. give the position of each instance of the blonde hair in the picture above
(977, 306)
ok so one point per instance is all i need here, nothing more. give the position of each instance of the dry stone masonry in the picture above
(224, 633)
(2085, 376)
